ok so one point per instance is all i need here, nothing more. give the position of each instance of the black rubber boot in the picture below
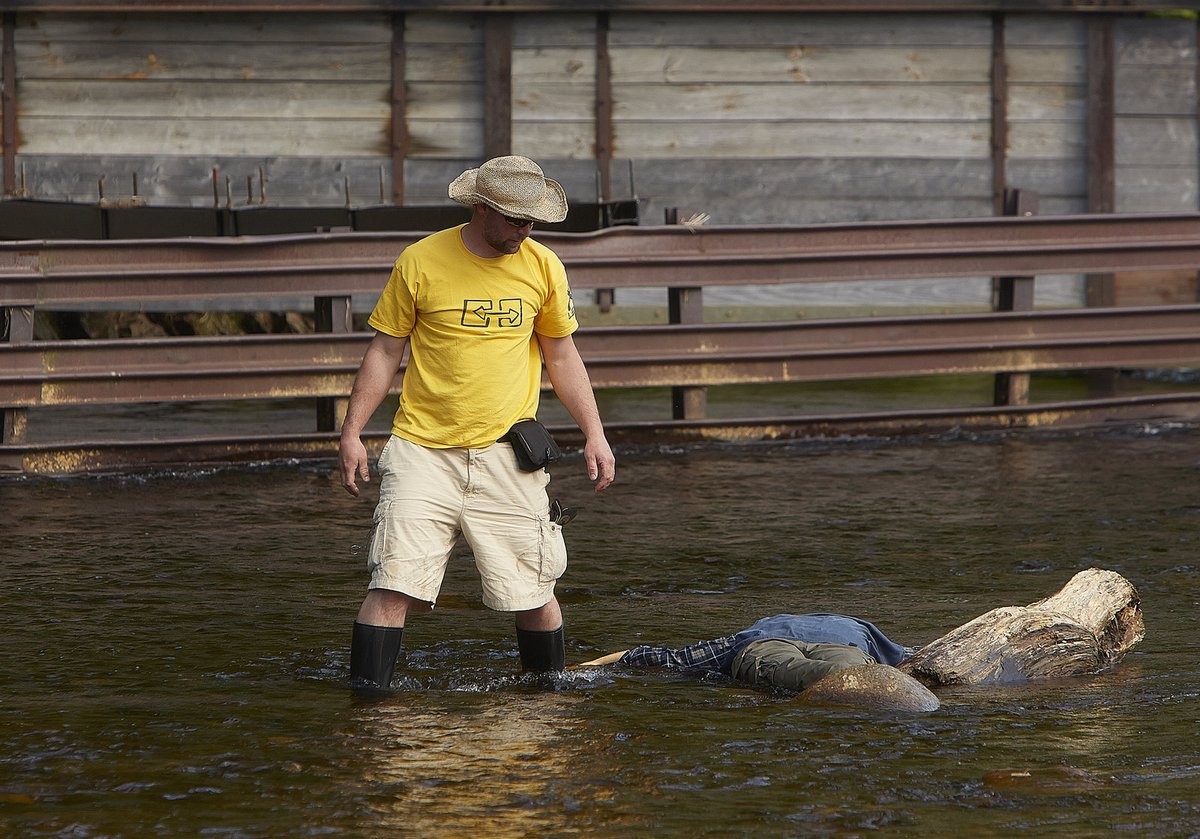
(541, 652)
(373, 652)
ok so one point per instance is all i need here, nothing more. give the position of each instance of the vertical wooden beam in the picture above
(8, 100)
(685, 305)
(332, 314)
(999, 114)
(604, 108)
(497, 84)
(1015, 294)
(605, 297)
(399, 106)
(1101, 166)
(1101, 143)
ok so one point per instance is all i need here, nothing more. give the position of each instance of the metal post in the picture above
(686, 305)
(332, 314)
(1015, 294)
(18, 322)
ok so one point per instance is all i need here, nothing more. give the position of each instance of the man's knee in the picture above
(384, 607)
(544, 618)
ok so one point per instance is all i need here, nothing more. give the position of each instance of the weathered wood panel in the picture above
(1163, 141)
(800, 63)
(331, 138)
(800, 86)
(444, 75)
(812, 138)
(250, 28)
(187, 180)
(197, 62)
(826, 30)
(816, 118)
(554, 87)
(1047, 109)
(224, 101)
(269, 85)
(799, 103)
(1156, 142)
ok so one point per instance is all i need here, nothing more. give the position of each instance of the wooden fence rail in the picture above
(331, 267)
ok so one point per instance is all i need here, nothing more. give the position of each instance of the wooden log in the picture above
(1083, 629)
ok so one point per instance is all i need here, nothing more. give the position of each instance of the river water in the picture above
(175, 653)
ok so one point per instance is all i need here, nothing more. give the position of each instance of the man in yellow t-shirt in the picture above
(479, 307)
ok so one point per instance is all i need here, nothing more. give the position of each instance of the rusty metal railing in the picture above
(332, 267)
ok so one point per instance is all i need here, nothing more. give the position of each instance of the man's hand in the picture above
(601, 465)
(352, 455)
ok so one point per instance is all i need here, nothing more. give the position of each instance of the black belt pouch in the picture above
(534, 447)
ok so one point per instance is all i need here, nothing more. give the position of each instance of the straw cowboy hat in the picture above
(514, 186)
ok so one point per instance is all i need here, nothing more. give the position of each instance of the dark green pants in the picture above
(793, 665)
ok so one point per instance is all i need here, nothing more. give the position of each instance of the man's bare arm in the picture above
(571, 384)
(375, 376)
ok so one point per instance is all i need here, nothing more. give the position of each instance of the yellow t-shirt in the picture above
(474, 366)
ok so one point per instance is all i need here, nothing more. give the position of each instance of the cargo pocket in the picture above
(377, 547)
(552, 552)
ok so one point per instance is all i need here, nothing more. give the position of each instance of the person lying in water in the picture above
(785, 651)
(1084, 629)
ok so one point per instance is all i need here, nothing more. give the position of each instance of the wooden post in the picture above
(1101, 165)
(19, 322)
(686, 305)
(604, 108)
(8, 100)
(1101, 143)
(1014, 294)
(497, 85)
(605, 297)
(332, 314)
(999, 114)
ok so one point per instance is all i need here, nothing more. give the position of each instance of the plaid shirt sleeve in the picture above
(706, 656)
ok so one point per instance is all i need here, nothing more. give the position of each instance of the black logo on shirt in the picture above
(479, 314)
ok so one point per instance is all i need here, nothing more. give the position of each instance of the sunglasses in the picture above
(516, 222)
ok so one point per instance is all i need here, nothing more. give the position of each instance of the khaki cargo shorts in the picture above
(427, 497)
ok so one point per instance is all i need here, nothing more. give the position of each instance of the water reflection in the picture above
(500, 766)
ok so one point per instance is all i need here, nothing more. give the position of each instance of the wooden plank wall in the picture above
(1155, 138)
(780, 117)
(170, 96)
(1156, 115)
(752, 118)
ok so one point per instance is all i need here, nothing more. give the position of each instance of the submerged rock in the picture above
(873, 686)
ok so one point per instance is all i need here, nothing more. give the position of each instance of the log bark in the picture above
(1085, 628)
